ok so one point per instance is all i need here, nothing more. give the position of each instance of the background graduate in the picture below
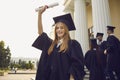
(93, 62)
(102, 44)
(113, 54)
(61, 58)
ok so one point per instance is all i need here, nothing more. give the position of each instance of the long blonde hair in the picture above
(66, 38)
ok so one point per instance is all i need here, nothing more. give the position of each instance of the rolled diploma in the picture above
(49, 6)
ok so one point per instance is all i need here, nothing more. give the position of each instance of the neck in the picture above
(60, 38)
(111, 34)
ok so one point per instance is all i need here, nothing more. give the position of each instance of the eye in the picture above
(57, 27)
(61, 27)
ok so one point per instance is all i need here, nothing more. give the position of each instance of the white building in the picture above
(96, 14)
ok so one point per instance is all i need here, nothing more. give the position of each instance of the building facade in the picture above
(92, 16)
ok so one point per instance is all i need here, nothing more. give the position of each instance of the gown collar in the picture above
(60, 42)
(111, 34)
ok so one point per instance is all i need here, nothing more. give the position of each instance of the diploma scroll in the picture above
(49, 6)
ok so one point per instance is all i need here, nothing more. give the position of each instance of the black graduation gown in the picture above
(102, 56)
(113, 50)
(113, 55)
(59, 66)
(103, 45)
(94, 65)
(90, 62)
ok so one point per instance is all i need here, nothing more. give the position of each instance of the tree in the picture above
(30, 65)
(5, 56)
(21, 64)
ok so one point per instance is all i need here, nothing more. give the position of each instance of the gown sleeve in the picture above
(77, 60)
(90, 59)
(42, 42)
(110, 44)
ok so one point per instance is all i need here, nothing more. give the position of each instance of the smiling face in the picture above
(60, 30)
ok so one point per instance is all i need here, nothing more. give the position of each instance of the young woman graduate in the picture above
(62, 57)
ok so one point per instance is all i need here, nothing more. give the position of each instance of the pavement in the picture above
(24, 75)
(23, 72)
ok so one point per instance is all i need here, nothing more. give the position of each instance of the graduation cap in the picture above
(99, 34)
(110, 28)
(67, 19)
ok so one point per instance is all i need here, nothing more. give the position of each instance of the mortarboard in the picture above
(110, 28)
(99, 34)
(67, 19)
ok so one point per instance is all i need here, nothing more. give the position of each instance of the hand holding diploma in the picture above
(48, 6)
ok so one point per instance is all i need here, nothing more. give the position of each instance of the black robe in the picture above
(59, 66)
(103, 45)
(93, 62)
(113, 50)
(113, 54)
(102, 57)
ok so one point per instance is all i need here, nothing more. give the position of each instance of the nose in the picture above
(59, 29)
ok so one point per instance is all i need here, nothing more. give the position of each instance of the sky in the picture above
(18, 24)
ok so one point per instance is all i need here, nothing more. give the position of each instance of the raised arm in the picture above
(40, 26)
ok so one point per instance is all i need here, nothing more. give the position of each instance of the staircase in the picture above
(87, 74)
(85, 78)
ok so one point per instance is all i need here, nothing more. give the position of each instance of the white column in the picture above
(81, 33)
(70, 9)
(101, 16)
(72, 33)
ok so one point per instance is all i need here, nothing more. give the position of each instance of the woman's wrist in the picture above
(40, 13)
